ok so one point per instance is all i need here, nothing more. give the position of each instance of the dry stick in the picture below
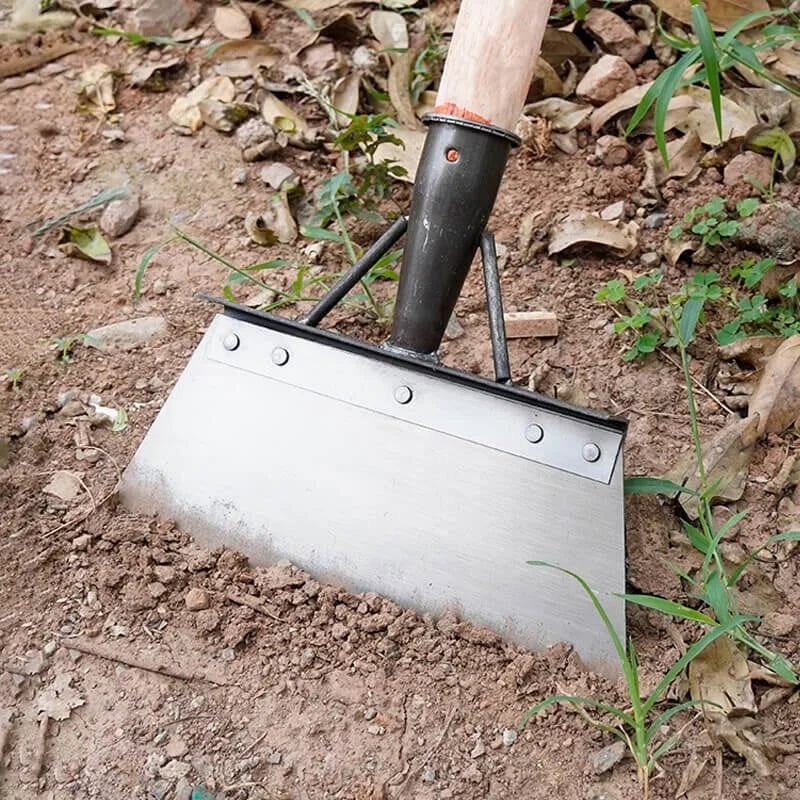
(254, 744)
(252, 602)
(91, 649)
(83, 517)
(697, 383)
(447, 723)
(41, 742)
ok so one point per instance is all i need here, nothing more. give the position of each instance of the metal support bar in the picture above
(339, 289)
(494, 307)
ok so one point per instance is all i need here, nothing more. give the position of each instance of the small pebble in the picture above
(275, 758)
(81, 542)
(228, 654)
(370, 714)
(428, 775)
(376, 730)
(650, 260)
(655, 220)
(509, 737)
(197, 599)
(239, 177)
(50, 648)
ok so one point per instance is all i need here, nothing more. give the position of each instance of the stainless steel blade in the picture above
(429, 487)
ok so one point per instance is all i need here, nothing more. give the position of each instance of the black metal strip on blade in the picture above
(292, 328)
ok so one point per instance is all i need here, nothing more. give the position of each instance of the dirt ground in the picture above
(309, 691)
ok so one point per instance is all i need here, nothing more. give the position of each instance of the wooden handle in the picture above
(492, 58)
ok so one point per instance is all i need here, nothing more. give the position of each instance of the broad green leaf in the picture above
(688, 322)
(646, 485)
(669, 607)
(708, 48)
(312, 232)
(87, 242)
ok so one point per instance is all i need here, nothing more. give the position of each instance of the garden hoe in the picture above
(378, 467)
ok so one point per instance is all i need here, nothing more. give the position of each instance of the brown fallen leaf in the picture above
(149, 75)
(276, 224)
(280, 116)
(721, 13)
(185, 111)
(684, 159)
(744, 742)
(406, 155)
(399, 92)
(775, 404)
(583, 228)
(345, 97)
(720, 676)
(563, 115)
(390, 29)
(691, 773)
(59, 698)
(560, 45)
(736, 120)
(545, 82)
(770, 106)
(258, 53)
(726, 458)
(232, 22)
(97, 90)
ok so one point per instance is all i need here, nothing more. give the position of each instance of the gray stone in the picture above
(509, 737)
(119, 216)
(370, 714)
(175, 769)
(612, 151)
(81, 542)
(655, 220)
(176, 748)
(162, 17)
(428, 775)
(454, 329)
(127, 334)
(239, 177)
(183, 790)
(774, 228)
(50, 648)
(607, 758)
(275, 758)
(609, 77)
(650, 260)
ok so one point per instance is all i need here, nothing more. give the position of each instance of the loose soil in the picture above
(313, 692)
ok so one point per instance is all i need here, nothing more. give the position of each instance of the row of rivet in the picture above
(404, 395)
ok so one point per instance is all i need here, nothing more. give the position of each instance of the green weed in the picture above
(13, 376)
(639, 725)
(712, 223)
(704, 63)
(64, 345)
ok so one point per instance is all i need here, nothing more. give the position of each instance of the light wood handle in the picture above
(492, 58)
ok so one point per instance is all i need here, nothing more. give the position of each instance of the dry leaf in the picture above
(345, 97)
(257, 53)
(399, 92)
(726, 458)
(344, 29)
(744, 742)
(185, 111)
(677, 115)
(786, 61)
(390, 29)
(770, 106)
(147, 74)
(407, 155)
(313, 5)
(622, 102)
(280, 116)
(691, 773)
(232, 22)
(736, 121)
(776, 401)
(545, 83)
(675, 249)
(583, 228)
(559, 45)
(276, 224)
(720, 675)
(684, 159)
(563, 115)
(58, 699)
(721, 13)
(97, 90)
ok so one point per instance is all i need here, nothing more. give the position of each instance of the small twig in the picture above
(95, 505)
(252, 602)
(705, 390)
(437, 744)
(253, 745)
(41, 743)
(90, 649)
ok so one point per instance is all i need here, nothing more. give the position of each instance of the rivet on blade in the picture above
(534, 433)
(230, 341)
(403, 395)
(591, 452)
(280, 356)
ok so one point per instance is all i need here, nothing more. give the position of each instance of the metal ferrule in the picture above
(458, 176)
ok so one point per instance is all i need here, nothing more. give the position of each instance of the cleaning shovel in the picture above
(378, 467)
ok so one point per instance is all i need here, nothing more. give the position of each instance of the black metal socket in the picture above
(458, 176)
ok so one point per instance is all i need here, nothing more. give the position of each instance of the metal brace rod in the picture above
(494, 308)
(340, 289)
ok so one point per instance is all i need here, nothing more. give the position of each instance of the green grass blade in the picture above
(618, 713)
(689, 317)
(708, 49)
(788, 536)
(692, 652)
(668, 607)
(664, 718)
(643, 484)
(742, 23)
(144, 263)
